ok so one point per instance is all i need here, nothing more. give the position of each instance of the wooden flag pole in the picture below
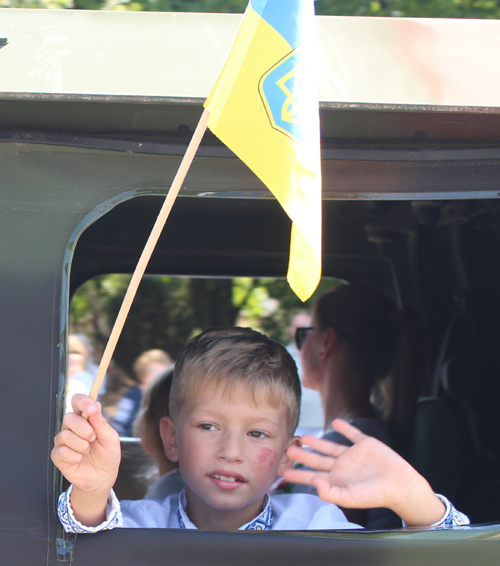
(147, 252)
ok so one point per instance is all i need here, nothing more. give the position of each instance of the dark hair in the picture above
(227, 356)
(154, 407)
(382, 343)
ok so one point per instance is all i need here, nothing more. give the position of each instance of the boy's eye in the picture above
(207, 426)
(257, 434)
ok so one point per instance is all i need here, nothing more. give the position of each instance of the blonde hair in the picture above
(234, 355)
(149, 357)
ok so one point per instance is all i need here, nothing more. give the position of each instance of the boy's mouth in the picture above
(230, 479)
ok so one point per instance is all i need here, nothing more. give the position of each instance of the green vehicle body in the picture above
(96, 110)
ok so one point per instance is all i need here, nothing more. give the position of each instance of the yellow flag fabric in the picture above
(264, 107)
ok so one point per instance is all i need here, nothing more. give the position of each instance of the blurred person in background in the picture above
(81, 368)
(368, 361)
(359, 344)
(311, 410)
(146, 367)
(166, 476)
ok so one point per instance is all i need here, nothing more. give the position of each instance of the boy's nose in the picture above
(230, 448)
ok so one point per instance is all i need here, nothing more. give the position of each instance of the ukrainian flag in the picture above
(264, 107)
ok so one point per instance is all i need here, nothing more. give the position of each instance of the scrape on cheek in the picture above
(267, 456)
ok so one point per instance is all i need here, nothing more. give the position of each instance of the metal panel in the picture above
(394, 62)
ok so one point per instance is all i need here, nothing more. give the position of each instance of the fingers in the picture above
(96, 428)
(106, 434)
(305, 477)
(68, 450)
(326, 491)
(73, 441)
(310, 459)
(79, 426)
(348, 430)
(326, 447)
(83, 404)
(62, 456)
(329, 493)
(98, 422)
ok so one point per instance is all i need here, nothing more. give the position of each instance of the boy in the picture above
(234, 406)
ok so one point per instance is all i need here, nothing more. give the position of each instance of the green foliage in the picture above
(250, 300)
(412, 8)
(408, 8)
(50, 4)
(212, 301)
(275, 324)
(225, 6)
(168, 311)
(162, 315)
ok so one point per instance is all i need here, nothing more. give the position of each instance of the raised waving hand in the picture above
(366, 475)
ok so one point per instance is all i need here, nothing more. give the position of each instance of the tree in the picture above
(411, 8)
(162, 315)
(408, 8)
(168, 311)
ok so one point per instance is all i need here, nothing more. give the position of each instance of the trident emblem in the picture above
(289, 109)
(283, 93)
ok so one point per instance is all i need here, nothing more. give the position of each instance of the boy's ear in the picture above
(169, 438)
(329, 340)
(286, 462)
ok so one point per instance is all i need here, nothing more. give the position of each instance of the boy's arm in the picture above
(366, 475)
(88, 455)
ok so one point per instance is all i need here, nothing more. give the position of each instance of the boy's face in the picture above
(230, 451)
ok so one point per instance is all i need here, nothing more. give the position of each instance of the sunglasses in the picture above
(301, 335)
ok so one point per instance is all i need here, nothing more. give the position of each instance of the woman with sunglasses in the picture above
(368, 361)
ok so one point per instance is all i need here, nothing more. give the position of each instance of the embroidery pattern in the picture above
(452, 517)
(264, 522)
(71, 525)
(182, 525)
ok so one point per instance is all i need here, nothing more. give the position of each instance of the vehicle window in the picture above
(167, 312)
(363, 244)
